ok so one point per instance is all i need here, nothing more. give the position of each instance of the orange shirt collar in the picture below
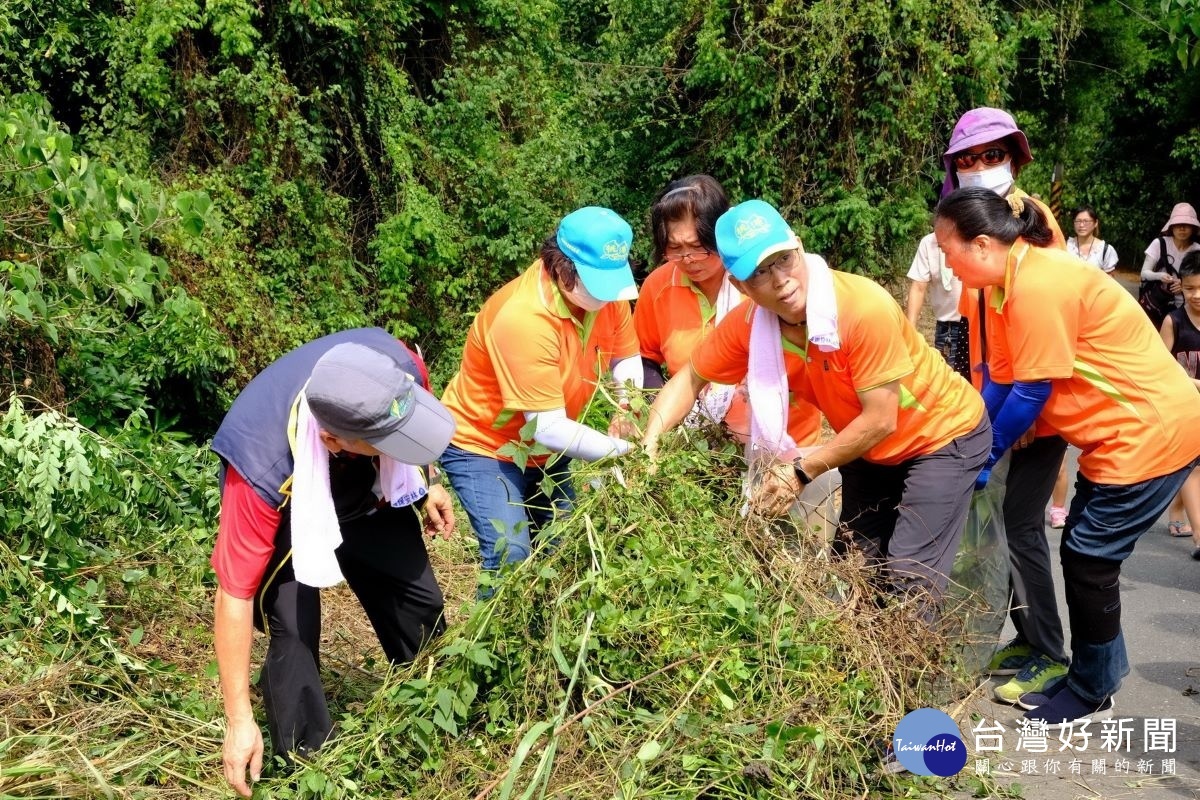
(1016, 254)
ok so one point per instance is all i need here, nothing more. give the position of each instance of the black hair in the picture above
(975, 211)
(559, 266)
(1089, 211)
(1190, 265)
(697, 196)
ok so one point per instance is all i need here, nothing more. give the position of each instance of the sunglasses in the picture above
(991, 157)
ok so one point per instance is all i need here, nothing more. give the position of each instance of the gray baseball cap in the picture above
(356, 392)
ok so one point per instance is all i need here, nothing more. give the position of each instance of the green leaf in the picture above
(514, 765)
(193, 225)
(649, 751)
(18, 304)
(736, 602)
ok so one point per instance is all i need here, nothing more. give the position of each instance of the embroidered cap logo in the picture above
(401, 406)
(616, 250)
(750, 227)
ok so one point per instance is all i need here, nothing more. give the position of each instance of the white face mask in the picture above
(579, 296)
(998, 178)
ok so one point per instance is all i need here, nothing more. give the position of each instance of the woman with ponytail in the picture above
(1070, 345)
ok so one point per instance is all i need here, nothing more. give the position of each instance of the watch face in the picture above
(801, 475)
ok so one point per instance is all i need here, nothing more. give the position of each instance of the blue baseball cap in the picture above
(597, 241)
(748, 233)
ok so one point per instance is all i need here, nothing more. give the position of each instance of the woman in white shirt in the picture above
(1086, 242)
(929, 276)
(1163, 256)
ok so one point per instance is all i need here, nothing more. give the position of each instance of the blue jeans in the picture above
(507, 507)
(1103, 525)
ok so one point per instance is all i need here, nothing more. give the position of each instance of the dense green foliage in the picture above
(358, 161)
(189, 189)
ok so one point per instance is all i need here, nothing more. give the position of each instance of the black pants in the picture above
(1034, 610)
(384, 561)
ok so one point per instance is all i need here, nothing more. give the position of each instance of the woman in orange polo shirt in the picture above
(1091, 365)
(911, 434)
(531, 363)
(686, 297)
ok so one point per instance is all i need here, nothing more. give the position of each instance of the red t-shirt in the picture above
(245, 537)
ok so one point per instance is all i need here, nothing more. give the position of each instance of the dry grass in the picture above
(662, 617)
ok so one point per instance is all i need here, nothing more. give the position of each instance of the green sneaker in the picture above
(1041, 673)
(1010, 659)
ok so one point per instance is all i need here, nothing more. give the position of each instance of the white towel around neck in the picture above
(821, 305)
(316, 533)
(767, 379)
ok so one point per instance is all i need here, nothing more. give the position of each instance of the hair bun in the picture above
(1016, 204)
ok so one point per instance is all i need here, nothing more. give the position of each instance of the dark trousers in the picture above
(1103, 525)
(909, 517)
(1032, 471)
(384, 561)
(950, 339)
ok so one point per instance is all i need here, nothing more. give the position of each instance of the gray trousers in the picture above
(1034, 610)
(908, 517)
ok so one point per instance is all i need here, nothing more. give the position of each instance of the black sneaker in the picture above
(1067, 708)
(1031, 700)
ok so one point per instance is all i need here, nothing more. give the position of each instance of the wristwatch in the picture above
(802, 476)
(434, 476)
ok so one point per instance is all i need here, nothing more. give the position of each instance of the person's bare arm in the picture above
(233, 630)
(1167, 332)
(916, 299)
(877, 421)
(673, 403)
(780, 487)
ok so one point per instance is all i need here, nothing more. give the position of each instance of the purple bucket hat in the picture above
(980, 126)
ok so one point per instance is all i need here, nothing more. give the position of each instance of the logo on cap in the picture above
(751, 227)
(400, 406)
(616, 250)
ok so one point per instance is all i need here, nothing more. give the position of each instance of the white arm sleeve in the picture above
(574, 439)
(628, 369)
(1148, 271)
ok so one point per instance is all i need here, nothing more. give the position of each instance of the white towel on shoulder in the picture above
(767, 380)
(821, 305)
(316, 533)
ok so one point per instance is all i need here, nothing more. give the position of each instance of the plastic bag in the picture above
(979, 592)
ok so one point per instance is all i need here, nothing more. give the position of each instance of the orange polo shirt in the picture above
(1117, 393)
(878, 346)
(671, 317)
(526, 352)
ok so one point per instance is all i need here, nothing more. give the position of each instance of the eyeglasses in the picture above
(687, 258)
(782, 265)
(991, 157)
